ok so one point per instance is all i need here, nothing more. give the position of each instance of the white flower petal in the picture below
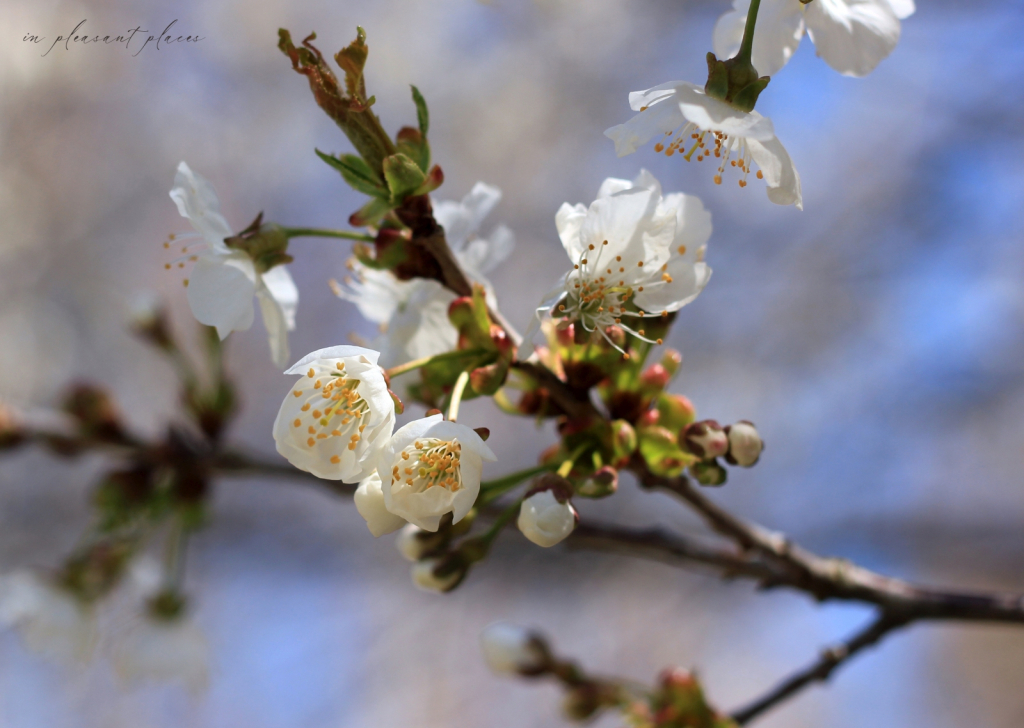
(902, 8)
(660, 117)
(369, 500)
(780, 27)
(853, 36)
(780, 174)
(462, 219)
(568, 221)
(343, 351)
(544, 520)
(278, 298)
(197, 201)
(711, 114)
(220, 291)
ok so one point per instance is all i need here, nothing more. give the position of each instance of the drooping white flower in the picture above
(163, 649)
(414, 314)
(431, 467)
(223, 281)
(369, 501)
(545, 520)
(693, 123)
(510, 649)
(423, 576)
(51, 619)
(745, 444)
(634, 252)
(338, 416)
(853, 36)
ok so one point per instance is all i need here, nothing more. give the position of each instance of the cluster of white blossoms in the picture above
(635, 254)
(223, 281)
(413, 315)
(853, 36)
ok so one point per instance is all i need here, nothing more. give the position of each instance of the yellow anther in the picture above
(311, 442)
(335, 459)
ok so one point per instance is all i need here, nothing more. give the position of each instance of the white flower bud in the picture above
(745, 445)
(432, 467)
(337, 418)
(163, 650)
(423, 576)
(510, 649)
(369, 501)
(410, 544)
(544, 520)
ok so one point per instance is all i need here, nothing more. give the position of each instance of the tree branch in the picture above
(822, 668)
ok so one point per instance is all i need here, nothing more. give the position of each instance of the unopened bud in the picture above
(603, 482)
(414, 543)
(655, 378)
(676, 411)
(709, 472)
(671, 360)
(706, 439)
(513, 650)
(582, 702)
(425, 576)
(624, 440)
(745, 445)
(547, 519)
(95, 412)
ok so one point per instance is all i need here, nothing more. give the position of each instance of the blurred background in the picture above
(876, 339)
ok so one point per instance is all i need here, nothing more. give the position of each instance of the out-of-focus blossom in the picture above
(51, 619)
(546, 520)
(223, 280)
(338, 416)
(369, 501)
(745, 444)
(510, 649)
(431, 467)
(634, 252)
(853, 36)
(413, 314)
(410, 542)
(423, 576)
(163, 649)
(695, 125)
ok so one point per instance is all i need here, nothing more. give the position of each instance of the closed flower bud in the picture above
(425, 577)
(709, 472)
(675, 411)
(671, 360)
(602, 482)
(369, 501)
(706, 439)
(546, 520)
(745, 445)
(513, 650)
(655, 378)
(413, 543)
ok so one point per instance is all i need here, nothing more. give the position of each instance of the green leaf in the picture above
(422, 115)
(413, 144)
(357, 173)
(403, 176)
(371, 212)
(352, 58)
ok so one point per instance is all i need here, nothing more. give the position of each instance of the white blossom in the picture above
(51, 619)
(223, 281)
(413, 314)
(409, 542)
(163, 649)
(693, 123)
(335, 420)
(745, 444)
(635, 253)
(510, 649)
(545, 520)
(853, 36)
(431, 467)
(369, 501)
(423, 576)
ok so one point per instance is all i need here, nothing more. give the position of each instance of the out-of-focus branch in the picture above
(236, 463)
(822, 668)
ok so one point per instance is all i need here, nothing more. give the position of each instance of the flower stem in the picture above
(492, 489)
(500, 522)
(457, 390)
(747, 45)
(323, 233)
(566, 467)
(174, 557)
(407, 367)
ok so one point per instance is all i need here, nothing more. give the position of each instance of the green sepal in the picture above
(422, 114)
(717, 86)
(746, 98)
(660, 449)
(403, 176)
(359, 175)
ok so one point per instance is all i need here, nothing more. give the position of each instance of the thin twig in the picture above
(822, 668)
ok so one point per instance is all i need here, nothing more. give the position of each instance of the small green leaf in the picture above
(403, 176)
(413, 144)
(352, 58)
(422, 115)
(370, 213)
(357, 173)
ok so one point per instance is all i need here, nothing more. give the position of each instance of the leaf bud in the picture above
(709, 472)
(745, 445)
(706, 439)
